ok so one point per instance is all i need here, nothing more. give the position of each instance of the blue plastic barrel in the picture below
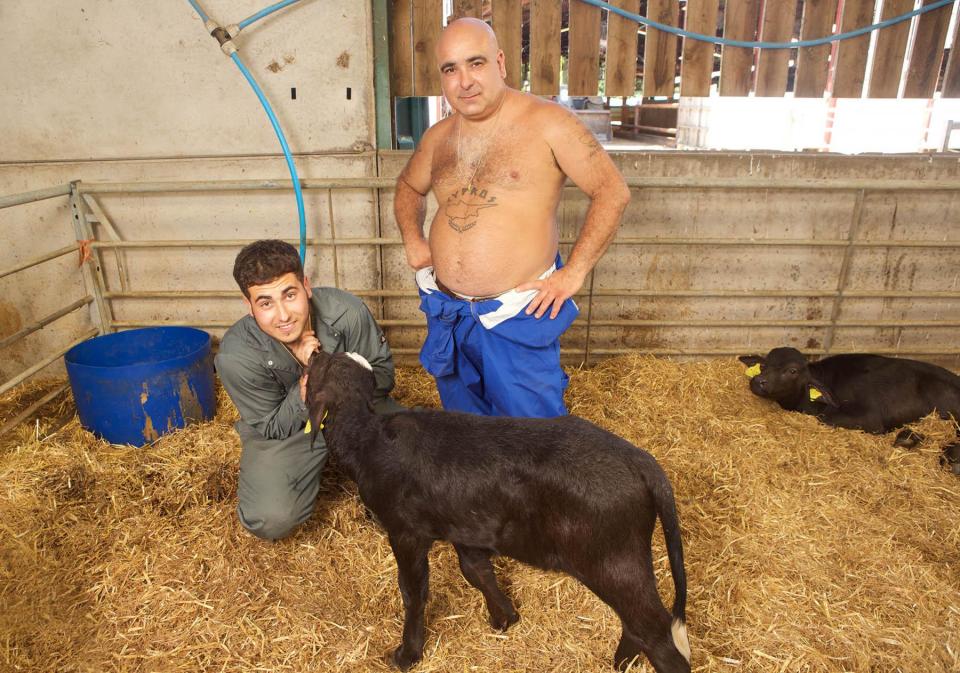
(134, 386)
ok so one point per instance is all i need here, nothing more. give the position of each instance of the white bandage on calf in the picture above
(359, 359)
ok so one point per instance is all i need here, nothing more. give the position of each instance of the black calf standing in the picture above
(559, 494)
(856, 390)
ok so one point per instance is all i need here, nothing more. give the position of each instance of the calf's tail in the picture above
(667, 510)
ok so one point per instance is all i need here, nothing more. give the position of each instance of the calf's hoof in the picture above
(950, 458)
(404, 659)
(504, 621)
(907, 439)
(952, 465)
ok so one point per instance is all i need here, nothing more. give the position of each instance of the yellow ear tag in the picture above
(753, 370)
(306, 428)
(815, 394)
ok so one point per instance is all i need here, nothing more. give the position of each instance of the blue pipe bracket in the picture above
(224, 36)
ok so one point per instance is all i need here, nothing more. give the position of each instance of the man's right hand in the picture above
(303, 387)
(418, 254)
(305, 346)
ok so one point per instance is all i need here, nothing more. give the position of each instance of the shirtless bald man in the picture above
(491, 281)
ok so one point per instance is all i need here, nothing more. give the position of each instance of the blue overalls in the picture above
(489, 357)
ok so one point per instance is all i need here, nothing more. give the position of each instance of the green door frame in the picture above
(383, 100)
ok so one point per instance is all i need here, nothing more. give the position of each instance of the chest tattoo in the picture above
(463, 207)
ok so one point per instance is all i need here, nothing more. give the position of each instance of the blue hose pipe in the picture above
(265, 12)
(196, 6)
(223, 38)
(286, 152)
(768, 45)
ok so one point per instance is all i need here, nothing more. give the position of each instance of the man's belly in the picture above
(493, 254)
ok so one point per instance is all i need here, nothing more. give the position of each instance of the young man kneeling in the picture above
(262, 364)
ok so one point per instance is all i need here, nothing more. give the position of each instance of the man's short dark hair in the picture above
(263, 261)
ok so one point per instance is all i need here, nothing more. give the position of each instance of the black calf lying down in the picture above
(864, 392)
(559, 494)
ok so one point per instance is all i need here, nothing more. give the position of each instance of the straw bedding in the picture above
(807, 549)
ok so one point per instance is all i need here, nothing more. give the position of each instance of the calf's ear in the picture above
(818, 392)
(316, 413)
(751, 360)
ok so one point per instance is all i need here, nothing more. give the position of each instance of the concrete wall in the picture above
(95, 79)
(96, 90)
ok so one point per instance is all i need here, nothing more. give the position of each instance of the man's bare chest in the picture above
(506, 162)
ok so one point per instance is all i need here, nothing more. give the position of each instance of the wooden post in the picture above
(621, 67)
(660, 51)
(696, 68)
(583, 61)
(739, 23)
(812, 62)
(852, 54)
(427, 23)
(508, 24)
(778, 20)
(545, 47)
(927, 53)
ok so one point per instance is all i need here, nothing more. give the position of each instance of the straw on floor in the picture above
(807, 548)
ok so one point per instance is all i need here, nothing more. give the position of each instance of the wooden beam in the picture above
(951, 78)
(890, 51)
(696, 67)
(739, 23)
(427, 24)
(508, 24)
(778, 19)
(545, 47)
(810, 80)
(401, 55)
(660, 50)
(621, 66)
(927, 53)
(852, 54)
(583, 62)
(464, 8)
